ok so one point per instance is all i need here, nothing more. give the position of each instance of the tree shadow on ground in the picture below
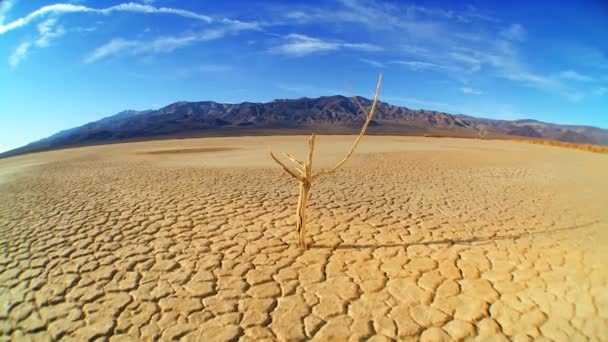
(476, 240)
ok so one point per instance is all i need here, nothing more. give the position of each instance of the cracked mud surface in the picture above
(414, 238)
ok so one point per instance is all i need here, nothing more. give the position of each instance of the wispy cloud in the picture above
(515, 32)
(417, 65)
(469, 90)
(372, 12)
(111, 48)
(571, 75)
(529, 78)
(48, 30)
(548, 83)
(300, 45)
(19, 54)
(467, 15)
(433, 36)
(119, 46)
(58, 9)
(372, 62)
(5, 6)
(503, 60)
(458, 42)
(473, 63)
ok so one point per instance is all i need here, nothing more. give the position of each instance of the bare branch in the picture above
(304, 189)
(285, 167)
(356, 99)
(352, 149)
(361, 106)
(311, 148)
(293, 159)
(306, 175)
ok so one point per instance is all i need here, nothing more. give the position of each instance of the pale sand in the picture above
(414, 238)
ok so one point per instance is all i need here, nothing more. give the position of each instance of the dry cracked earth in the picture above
(413, 239)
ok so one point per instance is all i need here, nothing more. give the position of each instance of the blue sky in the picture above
(65, 64)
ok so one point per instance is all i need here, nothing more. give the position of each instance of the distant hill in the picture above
(328, 114)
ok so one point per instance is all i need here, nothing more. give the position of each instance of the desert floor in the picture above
(414, 238)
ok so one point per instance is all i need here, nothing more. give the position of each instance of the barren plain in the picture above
(414, 238)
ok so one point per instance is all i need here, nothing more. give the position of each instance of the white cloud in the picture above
(300, 45)
(362, 46)
(47, 31)
(457, 42)
(431, 38)
(372, 62)
(113, 47)
(469, 90)
(549, 83)
(515, 32)
(58, 9)
(390, 13)
(139, 8)
(119, 46)
(529, 78)
(474, 14)
(409, 20)
(474, 63)
(417, 65)
(503, 60)
(5, 6)
(19, 54)
(572, 75)
(469, 14)
(435, 39)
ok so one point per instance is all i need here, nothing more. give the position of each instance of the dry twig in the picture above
(303, 171)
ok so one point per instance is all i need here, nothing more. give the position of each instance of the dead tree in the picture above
(303, 171)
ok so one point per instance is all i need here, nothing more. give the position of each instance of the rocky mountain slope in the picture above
(329, 114)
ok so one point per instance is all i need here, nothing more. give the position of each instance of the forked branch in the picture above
(370, 117)
(295, 161)
(302, 171)
(286, 168)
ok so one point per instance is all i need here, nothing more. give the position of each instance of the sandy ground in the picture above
(414, 238)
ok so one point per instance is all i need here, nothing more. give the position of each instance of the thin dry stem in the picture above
(356, 99)
(370, 116)
(285, 167)
(306, 175)
(295, 161)
(304, 191)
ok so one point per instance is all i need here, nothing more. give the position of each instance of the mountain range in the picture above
(329, 115)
